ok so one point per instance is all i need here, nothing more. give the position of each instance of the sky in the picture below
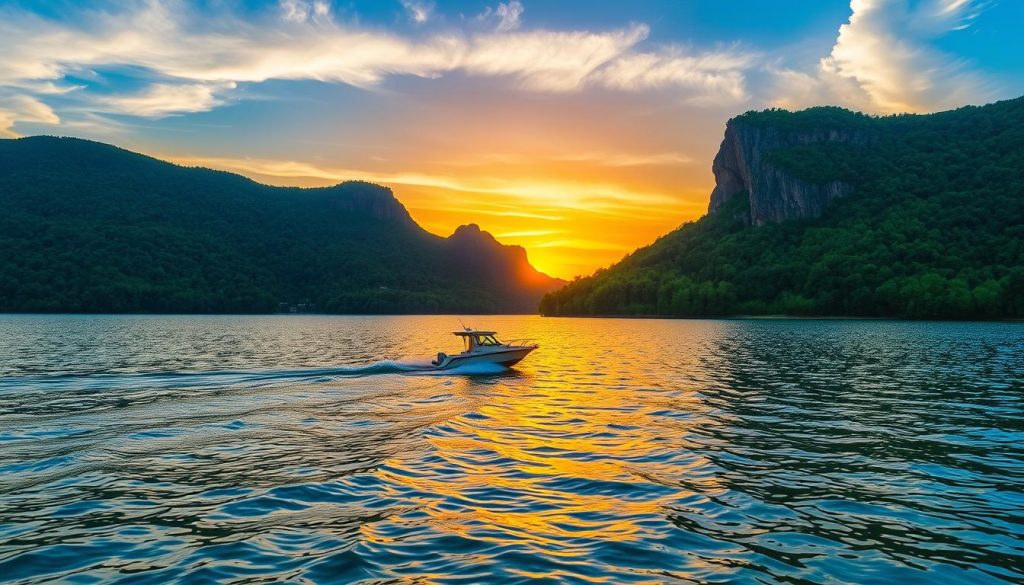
(580, 130)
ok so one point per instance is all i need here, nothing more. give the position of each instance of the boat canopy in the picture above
(473, 339)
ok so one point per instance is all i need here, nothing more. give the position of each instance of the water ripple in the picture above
(245, 449)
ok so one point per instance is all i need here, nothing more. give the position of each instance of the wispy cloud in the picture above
(304, 10)
(716, 75)
(419, 10)
(527, 234)
(23, 108)
(884, 60)
(625, 159)
(595, 158)
(504, 17)
(508, 15)
(587, 196)
(162, 99)
(583, 244)
(192, 60)
(502, 213)
(548, 60)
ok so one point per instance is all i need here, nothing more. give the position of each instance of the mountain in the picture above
(746, 165)
(831, 212)
(88, 227)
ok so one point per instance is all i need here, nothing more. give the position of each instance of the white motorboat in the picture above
(482, 347)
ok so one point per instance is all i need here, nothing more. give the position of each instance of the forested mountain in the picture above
(831, 212)
(88, 227)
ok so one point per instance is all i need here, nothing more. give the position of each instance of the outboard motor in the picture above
(440, 358)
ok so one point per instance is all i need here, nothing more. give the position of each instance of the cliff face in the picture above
(934, 228)
(369, 199)
(741, 166)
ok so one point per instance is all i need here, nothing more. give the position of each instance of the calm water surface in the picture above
(310, 449)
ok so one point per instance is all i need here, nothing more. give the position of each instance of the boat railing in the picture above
(519, 342)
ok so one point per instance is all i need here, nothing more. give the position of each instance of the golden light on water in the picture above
(554, 464)
(625, 450)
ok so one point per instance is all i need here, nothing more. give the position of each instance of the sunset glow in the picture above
(578, 132)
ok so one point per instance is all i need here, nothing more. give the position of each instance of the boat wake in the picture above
(477, 369)
(198, 379)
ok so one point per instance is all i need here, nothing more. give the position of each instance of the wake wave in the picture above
(478, 369)
(193, 379)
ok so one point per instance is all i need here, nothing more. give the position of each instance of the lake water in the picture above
(310, 449)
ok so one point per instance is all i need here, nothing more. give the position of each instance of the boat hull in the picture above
(505, 357)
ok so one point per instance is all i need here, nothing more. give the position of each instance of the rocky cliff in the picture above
(742, 166)
(368, 199)
(933, 229)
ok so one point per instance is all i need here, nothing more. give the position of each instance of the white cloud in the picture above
(162, 99)
(192, 60)
(300, 11)
(23, 108)
(33, 110)
(419, 10)
(883, 60)
(795, 89)
(504, 17)
(547, 60)
(716, 76)
(508, 15)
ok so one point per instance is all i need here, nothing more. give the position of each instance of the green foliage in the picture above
(87, 227)
(809, 119)
(934, 229)
(822, 162)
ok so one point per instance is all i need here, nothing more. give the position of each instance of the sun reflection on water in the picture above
(621, 451)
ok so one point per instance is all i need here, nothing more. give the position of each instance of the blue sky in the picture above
(577, 129)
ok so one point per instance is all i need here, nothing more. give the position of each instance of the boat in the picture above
(482, 347)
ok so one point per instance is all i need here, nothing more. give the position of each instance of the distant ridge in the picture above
(89, 227)
(833, 212)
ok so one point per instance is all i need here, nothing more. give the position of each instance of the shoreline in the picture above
(777, 317)
(782, 317)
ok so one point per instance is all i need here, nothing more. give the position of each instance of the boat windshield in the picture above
(471, 341)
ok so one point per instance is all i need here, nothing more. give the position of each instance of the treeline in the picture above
(87, 227)
(934, 229)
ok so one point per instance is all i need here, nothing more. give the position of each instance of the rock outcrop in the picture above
(369, 199)
(742, 167)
